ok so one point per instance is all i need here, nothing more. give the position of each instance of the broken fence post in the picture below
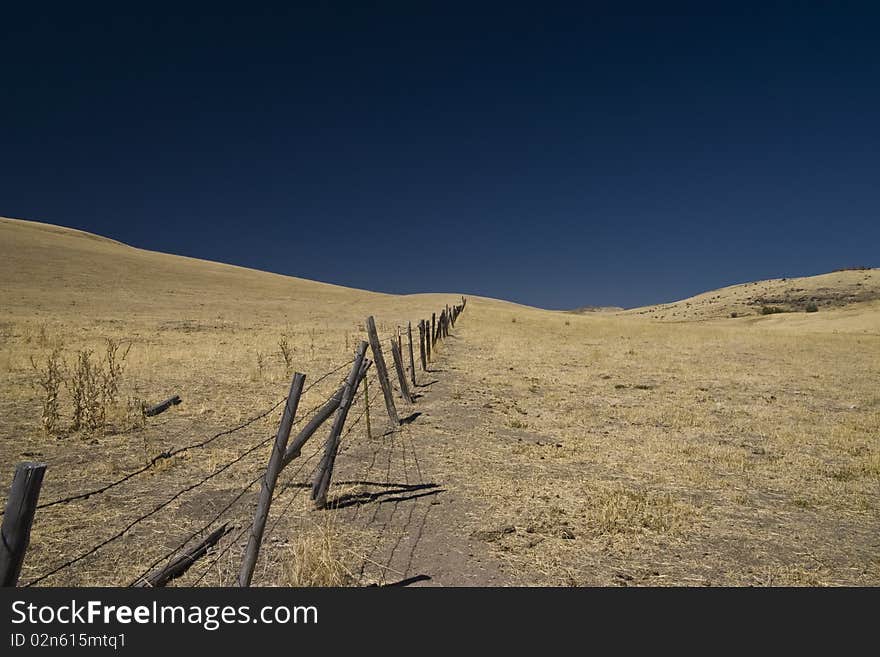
(180, 565)
(161, 407)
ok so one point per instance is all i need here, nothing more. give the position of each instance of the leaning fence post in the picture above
(422, 345)
(382, 371)
(269, 479)
(18, 518)
(367, 408)
(401, 375)
(412, 358)
(321, 483)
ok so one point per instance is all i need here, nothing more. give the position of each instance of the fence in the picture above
(22, 504)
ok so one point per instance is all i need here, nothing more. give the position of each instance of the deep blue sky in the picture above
(558, 155)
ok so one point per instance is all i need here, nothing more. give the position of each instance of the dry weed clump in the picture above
(50, 379)
(619, 510)
(286, 353)
(315, 559)
(93, 386)
(84, 386)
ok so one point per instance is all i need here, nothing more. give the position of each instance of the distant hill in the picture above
(595, 309)
(836, 289)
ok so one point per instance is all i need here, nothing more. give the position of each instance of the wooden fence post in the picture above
(382, 371)
(401, 375)
(367, 408)
(422, 345)
(433, 329)
(267, 489)
(18, 518)
(428, 340)
(321, 483)
(412, 357)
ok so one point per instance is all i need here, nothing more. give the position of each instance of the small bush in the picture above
(733, 315)
(772, 310)
(812, 308)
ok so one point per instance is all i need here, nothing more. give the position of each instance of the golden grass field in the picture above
(670, 445)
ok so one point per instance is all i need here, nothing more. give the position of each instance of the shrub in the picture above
(772, 310)
(733, 315)
(812, 308)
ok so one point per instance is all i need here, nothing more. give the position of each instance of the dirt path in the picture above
(421, 516)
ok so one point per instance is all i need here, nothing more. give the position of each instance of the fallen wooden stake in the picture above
(180, 565)
(161, 407)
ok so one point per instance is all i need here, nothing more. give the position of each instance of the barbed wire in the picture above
(169, 454)
(405, 443)
(247, 526)
(202, 529)
(228, 506)
(150, 513)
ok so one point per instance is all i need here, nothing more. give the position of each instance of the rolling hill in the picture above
(666, 445)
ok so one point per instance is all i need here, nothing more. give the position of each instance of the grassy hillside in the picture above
(593, 448)
(842, 289)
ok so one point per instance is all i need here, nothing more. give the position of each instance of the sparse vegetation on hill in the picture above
(840, 289)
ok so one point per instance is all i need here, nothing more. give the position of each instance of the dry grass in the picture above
(318, 557)
(225, 339)
(711, 452)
